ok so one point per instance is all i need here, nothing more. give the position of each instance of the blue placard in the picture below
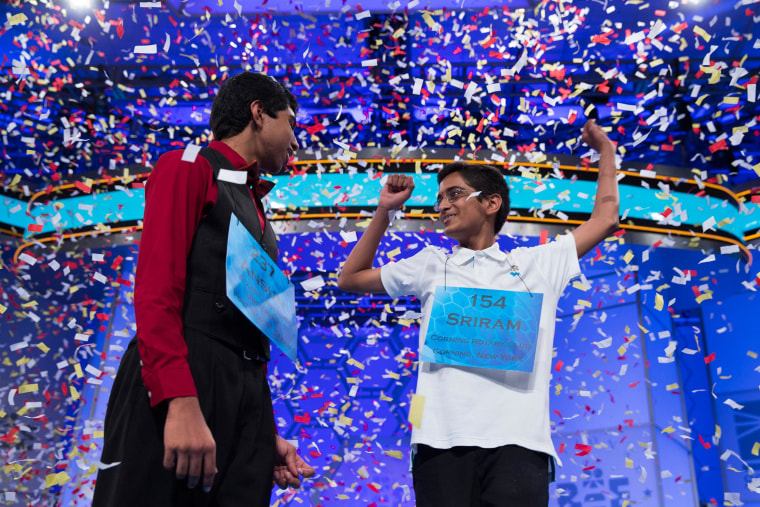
(484, 328)
(260, 290)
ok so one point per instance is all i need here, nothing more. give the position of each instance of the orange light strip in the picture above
(431, 216)
(70, 235)
(103, 181)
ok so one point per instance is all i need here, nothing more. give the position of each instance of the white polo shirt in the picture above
(468, 406)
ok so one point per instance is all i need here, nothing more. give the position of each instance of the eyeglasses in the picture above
(451, 195)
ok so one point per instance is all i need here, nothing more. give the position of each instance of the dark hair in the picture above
(485, 178)
(231, 110)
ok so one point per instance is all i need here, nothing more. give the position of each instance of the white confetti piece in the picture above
(190, 153)
(731, 403)
(28, 259)
(348, 236)
(314, 283)
(93, 371)
(148, 49)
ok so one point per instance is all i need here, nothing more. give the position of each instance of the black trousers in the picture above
(477, 477)
(236, 402)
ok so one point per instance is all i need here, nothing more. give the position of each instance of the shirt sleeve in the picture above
(175, 196)
(404, 277)
(558, 261)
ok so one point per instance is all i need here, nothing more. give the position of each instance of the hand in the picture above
(594, 136)
(398, 188)
(189, 447)
(288, 465)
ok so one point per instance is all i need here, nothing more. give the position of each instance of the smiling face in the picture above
(275, 141)
(469, 218)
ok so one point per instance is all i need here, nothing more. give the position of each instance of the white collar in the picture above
(460, 255)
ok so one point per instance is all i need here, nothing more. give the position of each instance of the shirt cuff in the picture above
(169, 383)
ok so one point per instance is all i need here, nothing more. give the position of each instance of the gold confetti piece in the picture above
(581, 302)
(385, 398)
(395, 454)
(78, 370)
(628, 256)
(363, 472)
(628, 463)
(668, 430)
(56, 479)
(704, 297)
(44, 348)
(672, 387)
(752, 354)
(28, 388)
(17, 19)
(3, 309)
(578, 285)
(621, 350)
(74, 393)
(415, 410)
(354, 362)
(393, 253)
(658, 302)
(756, 449)
(699, 31)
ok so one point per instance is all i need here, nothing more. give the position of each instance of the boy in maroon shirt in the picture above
(190, 414)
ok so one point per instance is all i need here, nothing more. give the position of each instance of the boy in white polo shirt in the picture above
(486, 335)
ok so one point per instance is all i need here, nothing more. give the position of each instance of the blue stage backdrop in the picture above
(654, 390)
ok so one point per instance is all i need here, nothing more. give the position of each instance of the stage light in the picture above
(81, 4)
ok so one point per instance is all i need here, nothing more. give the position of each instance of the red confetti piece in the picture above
(81, 186)
(544, 237)
(34, 228)
(306, 418)
(709, 359)
(558, 366)
(582, 449)
(117, 262)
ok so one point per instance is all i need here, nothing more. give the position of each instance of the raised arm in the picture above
(604, 219)
(358, 275)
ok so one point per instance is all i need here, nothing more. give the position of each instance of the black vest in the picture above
(207, 308)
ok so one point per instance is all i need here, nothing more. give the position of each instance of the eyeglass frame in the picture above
(460, 192)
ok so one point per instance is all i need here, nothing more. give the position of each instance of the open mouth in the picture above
(447, 217)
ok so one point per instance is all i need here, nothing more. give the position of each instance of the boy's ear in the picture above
(257, 113)
(493, 204)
